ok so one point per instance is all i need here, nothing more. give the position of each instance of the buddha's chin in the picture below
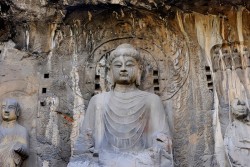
(6, 118)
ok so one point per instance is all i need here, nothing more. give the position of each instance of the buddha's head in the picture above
(125, 65)
(10, 109)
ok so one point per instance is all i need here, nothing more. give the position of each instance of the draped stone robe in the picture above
(9, 137)
(237, 143)
(122, 123)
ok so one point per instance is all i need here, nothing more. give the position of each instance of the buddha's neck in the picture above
(125, 88)
(9, 124)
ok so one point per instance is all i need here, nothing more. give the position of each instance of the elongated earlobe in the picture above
(18, 108)
(111, 77)
(138, 78)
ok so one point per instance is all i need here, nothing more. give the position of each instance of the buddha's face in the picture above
(125, 70)
(9, 110)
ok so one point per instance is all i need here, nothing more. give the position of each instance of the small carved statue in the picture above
(216, 59)
(236, 57)
(227, 56)
(237, 137)
(125, 127)
(13, 137)
(246, 54)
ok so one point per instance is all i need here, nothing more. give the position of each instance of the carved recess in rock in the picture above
(231, 76)
(19, 80)
(166, 62)
(237, 136)
(230, 56)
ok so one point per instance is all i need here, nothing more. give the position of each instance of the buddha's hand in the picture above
(164, 142)
(21, 150)
(18, 147)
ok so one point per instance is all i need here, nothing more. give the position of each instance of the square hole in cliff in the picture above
(209, 78)
(43, 103)
(207, 68)
(97, 87)
(156, 89)
(155, 73)
(156, 82)
(44, 90)
(46, 75)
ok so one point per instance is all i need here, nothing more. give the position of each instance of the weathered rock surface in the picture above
(52, 59)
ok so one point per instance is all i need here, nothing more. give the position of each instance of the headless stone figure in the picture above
(237, 136)
(13, 137)
(125, 127)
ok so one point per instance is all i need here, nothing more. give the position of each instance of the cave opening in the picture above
(4, 8)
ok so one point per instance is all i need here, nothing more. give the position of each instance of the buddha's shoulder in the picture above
(21, 128)
(150, 96)
(99, 96)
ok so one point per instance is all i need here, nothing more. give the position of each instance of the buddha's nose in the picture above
(123, 69)
(6, 112)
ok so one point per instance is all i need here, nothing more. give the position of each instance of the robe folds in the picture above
(125, 129)
(237, 143)
(12, 138)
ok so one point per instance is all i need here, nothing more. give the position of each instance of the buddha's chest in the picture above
(125, 121)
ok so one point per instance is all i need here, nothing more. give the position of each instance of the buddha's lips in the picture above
(6, 113)
(123, 74)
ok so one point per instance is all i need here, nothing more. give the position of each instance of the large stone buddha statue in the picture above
(125, 126)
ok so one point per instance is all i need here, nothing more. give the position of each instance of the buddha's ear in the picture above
(111, 77)
(138, 77)
(18, 109)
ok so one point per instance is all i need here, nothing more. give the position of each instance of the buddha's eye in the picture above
(12, 107)
(130, 64)
(3, 106)
(118, 65)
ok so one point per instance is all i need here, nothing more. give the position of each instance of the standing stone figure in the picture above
(246, 55)
(125, 127)
(237, 137)
(13, 137)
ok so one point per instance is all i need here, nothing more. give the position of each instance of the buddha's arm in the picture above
(22, 148)
(158, 121)
(84, 141)
(158, 118)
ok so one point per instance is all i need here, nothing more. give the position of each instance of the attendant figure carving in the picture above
(13, 137)
(126, 126)
(246, 56)
(237, 137)
(227, 56)
(216, 59)
(236, 57)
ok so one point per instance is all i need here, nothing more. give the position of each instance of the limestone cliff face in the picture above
(52, 58)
